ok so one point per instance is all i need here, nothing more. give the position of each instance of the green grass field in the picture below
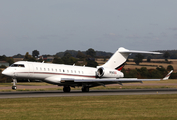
(92, 107)
(157, 107)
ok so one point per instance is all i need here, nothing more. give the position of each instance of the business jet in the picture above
(74, 76)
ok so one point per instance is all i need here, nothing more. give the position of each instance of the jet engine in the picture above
(108, 73)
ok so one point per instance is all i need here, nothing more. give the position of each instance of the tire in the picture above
(66, 89)
(85, 89)
(14, 87)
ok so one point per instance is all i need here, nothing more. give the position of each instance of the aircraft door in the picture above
(31, 71)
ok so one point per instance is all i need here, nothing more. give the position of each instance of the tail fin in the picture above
(119, 58)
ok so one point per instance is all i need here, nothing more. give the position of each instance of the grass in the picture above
(158, 107)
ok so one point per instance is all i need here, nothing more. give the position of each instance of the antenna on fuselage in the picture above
(74, 64)
(42, 61)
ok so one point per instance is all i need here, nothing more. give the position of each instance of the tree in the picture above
(35, 53)
(138, 58)
(169, 68)
(162, 70)
(57, 60)
(68, 59)
(155, 74)
(2, 58)
(80, 55)
(10, 60)
(18, 56)
(92, 63)
(91, 52)
(28, 57)
(166, 55)
(132, 73)
(144, 72)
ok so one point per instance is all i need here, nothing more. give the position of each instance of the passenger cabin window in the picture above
(17, 65)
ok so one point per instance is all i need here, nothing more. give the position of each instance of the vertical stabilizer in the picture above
(119, 58)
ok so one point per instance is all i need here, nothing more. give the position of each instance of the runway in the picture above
(59, 93)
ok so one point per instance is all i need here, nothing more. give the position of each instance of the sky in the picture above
(52, 26)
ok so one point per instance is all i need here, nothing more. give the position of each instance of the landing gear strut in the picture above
(85, 89)
(14, 87)
(66, 89)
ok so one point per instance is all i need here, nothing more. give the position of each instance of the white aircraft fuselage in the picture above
(45, 71)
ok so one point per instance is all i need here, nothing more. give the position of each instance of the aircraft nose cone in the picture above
(5, 72)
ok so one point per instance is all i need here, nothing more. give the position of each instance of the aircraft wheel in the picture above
(66, 89)
(85, 89)
(14, 87)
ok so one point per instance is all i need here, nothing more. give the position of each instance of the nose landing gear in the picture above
(14, 87)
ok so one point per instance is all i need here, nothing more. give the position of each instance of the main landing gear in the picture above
(66, 89)
(14, 87)
(85, 89)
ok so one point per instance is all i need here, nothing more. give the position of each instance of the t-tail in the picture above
(119, 58)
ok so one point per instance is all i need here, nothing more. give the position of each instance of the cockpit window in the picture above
(17, 65)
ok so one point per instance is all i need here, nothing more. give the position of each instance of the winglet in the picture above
(167, 76)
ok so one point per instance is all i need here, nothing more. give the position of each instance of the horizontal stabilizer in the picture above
(123, 50)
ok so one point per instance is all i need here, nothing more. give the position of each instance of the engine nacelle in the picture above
(108, 73)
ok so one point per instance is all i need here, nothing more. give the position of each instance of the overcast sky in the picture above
(51, 26)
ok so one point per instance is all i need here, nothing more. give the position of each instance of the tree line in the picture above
(143, 72)
(88, 58)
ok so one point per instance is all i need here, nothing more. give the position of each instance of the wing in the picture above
(96, 82)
